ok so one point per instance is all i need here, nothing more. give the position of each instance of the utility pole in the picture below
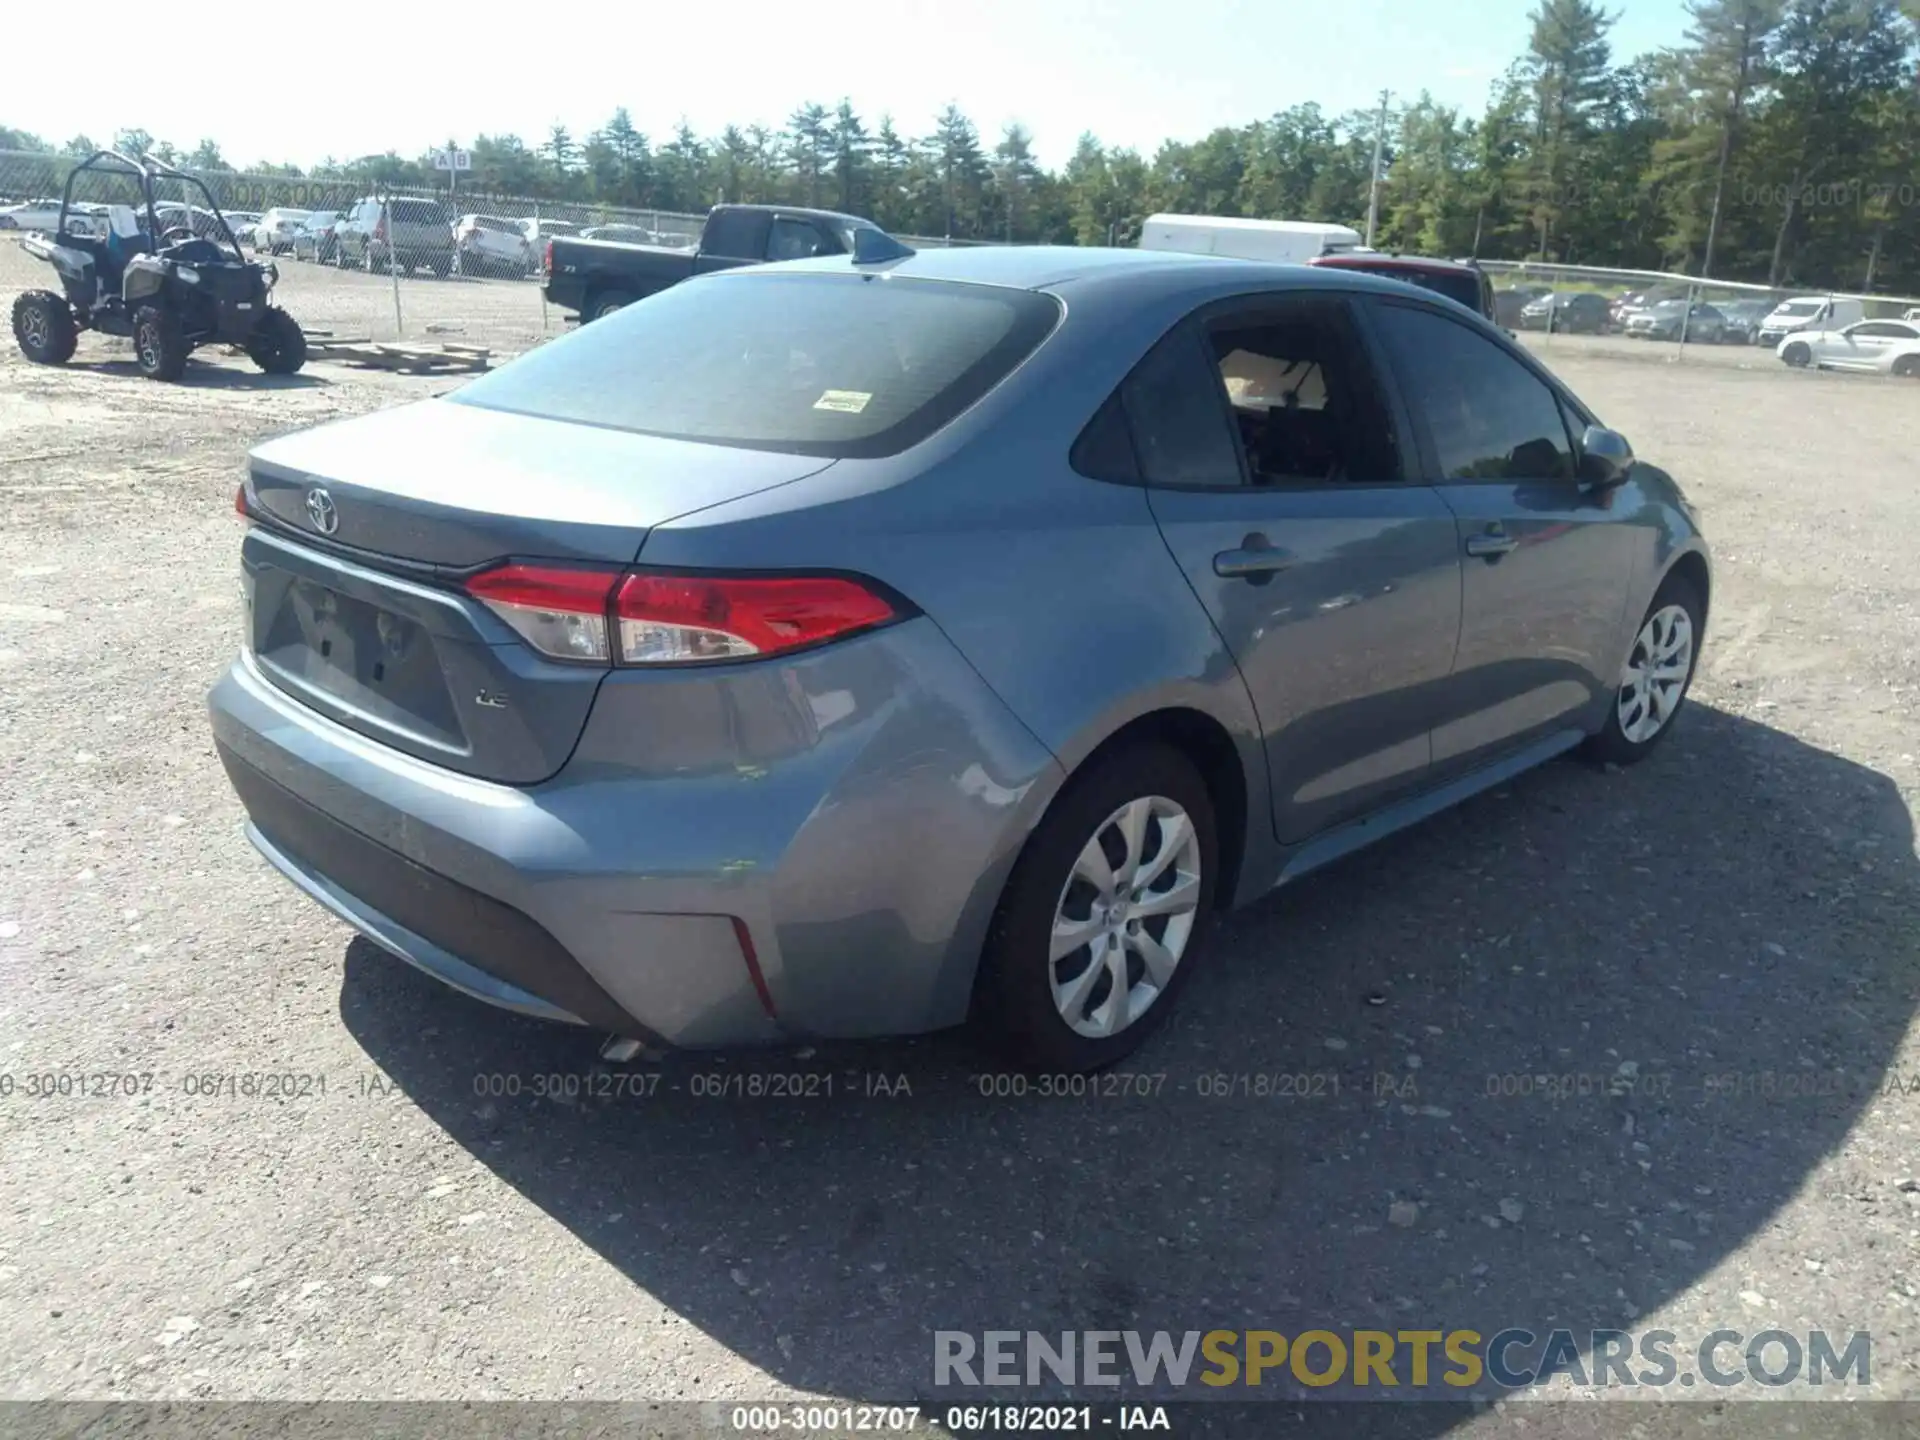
(1373, 191)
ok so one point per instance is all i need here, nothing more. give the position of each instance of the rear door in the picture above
(1864, 346)
(1547, 566)
(1274, 469)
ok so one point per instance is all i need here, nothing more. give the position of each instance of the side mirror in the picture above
(1605, 458)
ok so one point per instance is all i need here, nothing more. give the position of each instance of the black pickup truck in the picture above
(595, 277)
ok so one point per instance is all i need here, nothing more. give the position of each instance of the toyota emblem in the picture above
(321, 512)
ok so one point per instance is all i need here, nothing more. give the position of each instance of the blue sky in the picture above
(301, 81)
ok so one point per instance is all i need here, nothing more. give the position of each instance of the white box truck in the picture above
(1286, 241)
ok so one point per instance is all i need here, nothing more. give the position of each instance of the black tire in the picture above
(407, 266)
(367, 259)
(159, 349)
(1014, 1009)
(608, 301)
(1907, 366)
(1797, 355)
(442, 266)
(43, 326)
(277, 345)
(340, 258)
(1613, 744)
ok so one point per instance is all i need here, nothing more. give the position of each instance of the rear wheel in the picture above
(277, 344)
(442, 266)
(1907, 366)
(1796, 355)
(43, 325)
(608, 301)
(159, 349)
(1105, 915)
(1654, 680)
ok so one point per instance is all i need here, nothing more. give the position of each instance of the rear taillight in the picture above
(668, 618)
(653, 618)
(560, 612)
(240, 502)
(380, 228)
(546, 259)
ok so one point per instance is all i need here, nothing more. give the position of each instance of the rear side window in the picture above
(1488, 416)
(1179, 424)
(737, 234)
(838, 365)
(418, 212)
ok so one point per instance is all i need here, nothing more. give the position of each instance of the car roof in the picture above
(1418, 264)
(1086, 269)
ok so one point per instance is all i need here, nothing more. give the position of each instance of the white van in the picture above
(1287, 241)
(1810, 312)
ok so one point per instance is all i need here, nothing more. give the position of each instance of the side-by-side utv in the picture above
(170, 291)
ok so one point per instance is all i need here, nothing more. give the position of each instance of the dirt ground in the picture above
(1747, 904)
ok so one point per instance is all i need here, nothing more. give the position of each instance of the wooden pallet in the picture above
(413, 357)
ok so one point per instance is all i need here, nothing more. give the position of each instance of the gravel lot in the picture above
(1747, 903)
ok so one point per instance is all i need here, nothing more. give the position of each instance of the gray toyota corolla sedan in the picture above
(845, 650)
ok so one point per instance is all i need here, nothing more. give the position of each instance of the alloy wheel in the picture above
(1124, 917)
(1655, 676)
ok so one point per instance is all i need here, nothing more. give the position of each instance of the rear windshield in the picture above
(418, 212)
(839, 365)
(1460, 286)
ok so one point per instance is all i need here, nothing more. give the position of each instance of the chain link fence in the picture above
(1689, 314)
(357, 259)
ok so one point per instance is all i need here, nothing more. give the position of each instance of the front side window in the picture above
(1488, 416)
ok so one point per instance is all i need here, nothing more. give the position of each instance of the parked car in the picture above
(40, 214)
(1912, 312)
(1809, 312)
(202, 222)
(421, 238)
(622, 234)
(1509, 301)
(984, 555)
(539, 232)
(1579, 312)
(1460, 281)
(489, 245)
(1889, 347)
(1670, 319)
(275, 231)
(594, 278)
(241, 222)
(314, 239)
(1742, 320)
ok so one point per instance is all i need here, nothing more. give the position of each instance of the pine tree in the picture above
(1566, 65)
(851, 145)
(809, 143)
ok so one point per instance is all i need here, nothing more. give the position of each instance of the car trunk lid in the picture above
(372, 526)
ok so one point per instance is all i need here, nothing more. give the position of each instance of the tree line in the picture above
(1778, 141)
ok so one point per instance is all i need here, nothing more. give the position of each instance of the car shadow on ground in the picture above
(208, 374)
(1512, 1018)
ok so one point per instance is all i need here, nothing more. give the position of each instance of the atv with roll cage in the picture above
(168, 291)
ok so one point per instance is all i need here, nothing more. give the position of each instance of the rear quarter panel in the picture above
(1058, 589)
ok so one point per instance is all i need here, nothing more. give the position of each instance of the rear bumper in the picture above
(774, 795)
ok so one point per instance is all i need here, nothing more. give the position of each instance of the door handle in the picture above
(1256, 560)
(1491, 544)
